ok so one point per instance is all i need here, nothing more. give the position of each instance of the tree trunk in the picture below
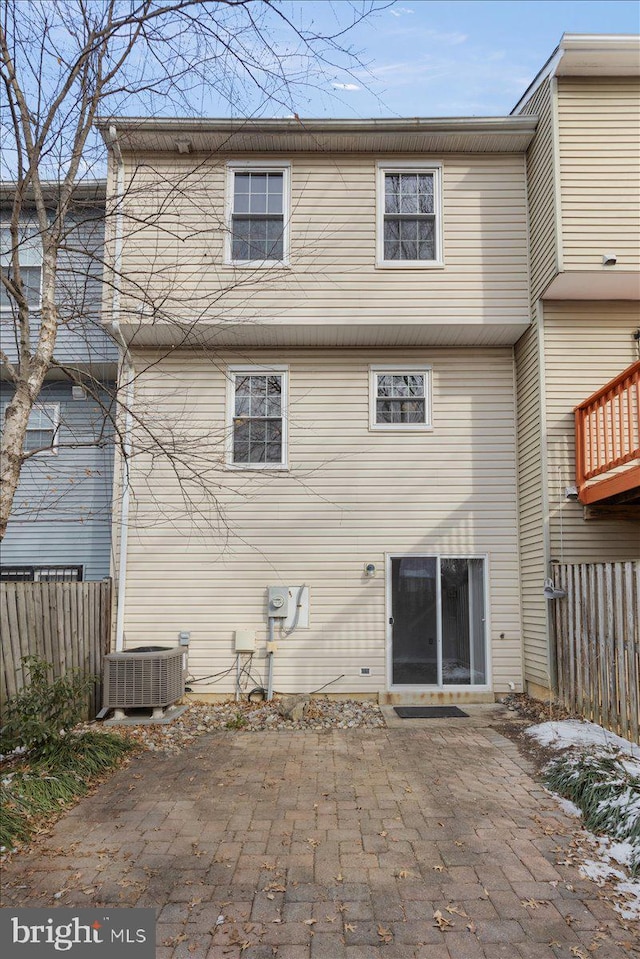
(15, 429)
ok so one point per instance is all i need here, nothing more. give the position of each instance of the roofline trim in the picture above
(494, 125)
(574, 43)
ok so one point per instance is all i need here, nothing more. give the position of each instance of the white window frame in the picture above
(256, 166)
(257, 370)
(404, 369)
(27, 227)
(54, 415)
(409, 166)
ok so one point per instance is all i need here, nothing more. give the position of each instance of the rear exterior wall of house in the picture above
(200, 558)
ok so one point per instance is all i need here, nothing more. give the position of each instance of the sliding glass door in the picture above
(437, 621)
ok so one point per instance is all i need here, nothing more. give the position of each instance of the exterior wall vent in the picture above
(135, 680)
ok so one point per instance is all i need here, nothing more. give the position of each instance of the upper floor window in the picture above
(42, 427)
(409, 215)
(258, 214)
(30, 259)
(258, 428)
(400, 398)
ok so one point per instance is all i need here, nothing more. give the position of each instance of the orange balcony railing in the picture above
(608, 437)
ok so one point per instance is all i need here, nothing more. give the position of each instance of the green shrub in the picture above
(36, 715)
(238, 722)
(57, 765)
(606, 788)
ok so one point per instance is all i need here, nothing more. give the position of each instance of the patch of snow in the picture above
(600, 871)
(569, 807)
(627, 890)
(632, 766)
(574, 732)
(620, 852)
(565, 804)
(630, 907)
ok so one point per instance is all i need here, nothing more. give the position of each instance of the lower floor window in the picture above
(41, 574)
(400, 398)
(258, 418)
(438, 617)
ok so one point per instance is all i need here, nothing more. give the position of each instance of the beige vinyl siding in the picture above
(351, 496)
(543, 254)
(586, 345)
(533, 559)
(175, 227)
(599, 124)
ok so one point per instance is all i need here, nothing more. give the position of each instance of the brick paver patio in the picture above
(331, 845)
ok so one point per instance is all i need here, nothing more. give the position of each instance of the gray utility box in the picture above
(137, 680)
(278, 601)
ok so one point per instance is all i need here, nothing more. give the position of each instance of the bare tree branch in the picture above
(64, 62)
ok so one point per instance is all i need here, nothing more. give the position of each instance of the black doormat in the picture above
(428, 712)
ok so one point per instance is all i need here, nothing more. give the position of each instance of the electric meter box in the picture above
(278, 601)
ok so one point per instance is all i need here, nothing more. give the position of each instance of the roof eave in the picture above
(611, 55)
(278, 134)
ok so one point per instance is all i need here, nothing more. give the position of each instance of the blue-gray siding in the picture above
(81, 337)
(62, 509)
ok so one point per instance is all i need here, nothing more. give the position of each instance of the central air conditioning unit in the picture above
(135, 680)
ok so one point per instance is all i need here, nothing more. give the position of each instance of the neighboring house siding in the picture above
(541, 193)
(533, 560)
(81, 338)
(333, 277)
(352, 495)
(586, 345)
(599, 123)
(62, 510)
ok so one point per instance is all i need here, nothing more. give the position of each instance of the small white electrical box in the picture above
(245, 641)
(278, 601)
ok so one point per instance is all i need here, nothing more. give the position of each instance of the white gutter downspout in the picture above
(128, 368)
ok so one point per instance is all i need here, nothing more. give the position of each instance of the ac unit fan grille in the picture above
(137, 680)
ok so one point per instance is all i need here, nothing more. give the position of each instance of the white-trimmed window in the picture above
(400, 397)
(409, 215)
(257, 404)
(30, 259)
(258, 213)
(42, 428)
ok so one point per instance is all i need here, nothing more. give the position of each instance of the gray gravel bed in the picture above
(239, 717)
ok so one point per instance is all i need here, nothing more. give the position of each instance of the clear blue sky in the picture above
(455, 58)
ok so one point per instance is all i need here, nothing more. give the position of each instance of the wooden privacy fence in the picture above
(68, 624)
(598, 643)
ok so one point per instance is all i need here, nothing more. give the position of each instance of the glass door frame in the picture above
(449, 687)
